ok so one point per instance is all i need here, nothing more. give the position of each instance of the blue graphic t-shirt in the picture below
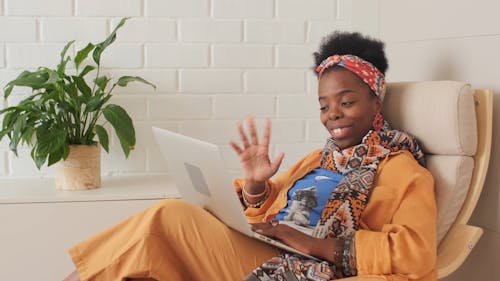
(307, 198)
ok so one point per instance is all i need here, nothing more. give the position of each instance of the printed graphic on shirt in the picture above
(303, 202)
(307, 198)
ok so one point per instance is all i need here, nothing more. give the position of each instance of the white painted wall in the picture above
(455, 40)
(214, 62)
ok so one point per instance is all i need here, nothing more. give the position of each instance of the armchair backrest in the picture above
(453, 124)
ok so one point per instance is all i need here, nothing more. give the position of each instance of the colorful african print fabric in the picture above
(341, 216)
(362, 68)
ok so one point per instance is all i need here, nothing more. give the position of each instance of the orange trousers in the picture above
(171, 240)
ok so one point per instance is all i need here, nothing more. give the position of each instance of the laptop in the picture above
(198, 171)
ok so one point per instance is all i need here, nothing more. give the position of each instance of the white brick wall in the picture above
(275, 81)
(318, 29)
(82, 29)
(242, 56)
(288, 56)
(32, 55)
(208, 30)
(3, 162)
(299, 9)
(164, 80)
(298, 106)
(243, 8)
(177, 8)
(140, 30)
(125, 55)
(38, 8)
(213, 61)
(180, 107)
(114, 8)
(177, 55)
(211, 81)
(136, 106)
(272, 31)
(236, 106)
(2, 56)
(17, 29)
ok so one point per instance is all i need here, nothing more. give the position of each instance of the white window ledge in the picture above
(23, 190)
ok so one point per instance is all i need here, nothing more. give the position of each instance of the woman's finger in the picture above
(277, 162)
(260, 226)
(253, 130)
(242, 134)
(236, 147)
(267, 133)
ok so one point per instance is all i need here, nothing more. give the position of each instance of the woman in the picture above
(362, 205)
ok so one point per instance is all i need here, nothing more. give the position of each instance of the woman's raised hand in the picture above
(254, 156)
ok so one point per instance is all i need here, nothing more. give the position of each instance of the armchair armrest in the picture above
(455, 247)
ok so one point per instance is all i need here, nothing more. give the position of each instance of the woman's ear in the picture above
(378, 105)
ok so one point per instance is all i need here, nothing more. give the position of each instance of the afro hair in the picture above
(352, 43)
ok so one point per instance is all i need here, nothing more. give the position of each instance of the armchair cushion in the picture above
(452, 176)
(441, 114)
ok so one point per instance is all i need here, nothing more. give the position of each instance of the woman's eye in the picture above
(346, 103)
(323, 108)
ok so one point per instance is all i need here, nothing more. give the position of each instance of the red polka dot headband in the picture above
(365, 70)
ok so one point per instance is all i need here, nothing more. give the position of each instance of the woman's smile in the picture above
(340, 133)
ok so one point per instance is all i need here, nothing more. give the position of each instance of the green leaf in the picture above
(7, 119)
(82, 86)
(93, 104)
(34, 80)
(65, 49)
(55, 156)
(27, 135)
(102, 82)
(122, 123)
(62, 64)
(86, 69)
(50, 139)
(124, 80)
(17, 132)
(82, 54)
(99, 48)
(66, 151)
(61, 68)
(38, 158)
(72, 91)
(103, 137)
(54, 78)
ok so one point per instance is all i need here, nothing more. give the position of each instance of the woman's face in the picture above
(347, 106)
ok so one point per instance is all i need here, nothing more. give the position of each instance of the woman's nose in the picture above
(334, 112)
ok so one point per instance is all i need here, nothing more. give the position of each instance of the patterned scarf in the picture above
(341, 216)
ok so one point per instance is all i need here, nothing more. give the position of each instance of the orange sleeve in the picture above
(407, 244)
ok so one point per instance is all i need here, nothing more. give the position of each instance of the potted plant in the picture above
(65, 117)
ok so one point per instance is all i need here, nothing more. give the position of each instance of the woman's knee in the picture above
(174, 207)
(174, 213)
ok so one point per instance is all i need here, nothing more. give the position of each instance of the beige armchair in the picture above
(454, 125)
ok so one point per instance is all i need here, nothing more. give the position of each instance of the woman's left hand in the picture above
(321, 248)
(286, 234)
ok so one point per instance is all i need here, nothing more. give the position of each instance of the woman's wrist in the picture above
(254, 193)
(255, 200)
(330, 249)
(349, 266)
(253, 188)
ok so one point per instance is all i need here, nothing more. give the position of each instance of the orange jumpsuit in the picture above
(173, 240)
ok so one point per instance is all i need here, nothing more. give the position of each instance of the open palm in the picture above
(254, 156)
